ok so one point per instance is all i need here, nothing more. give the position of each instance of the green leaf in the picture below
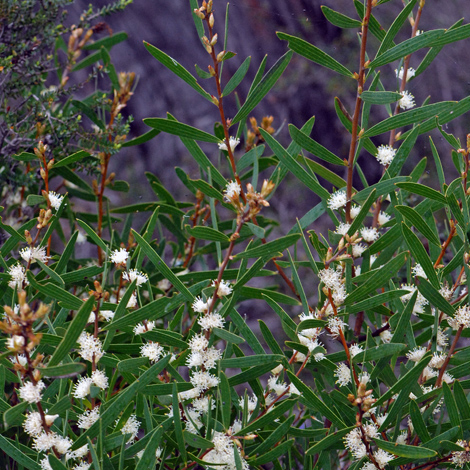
(202, 73)
(424, 191)
(386, 273)
(93, 235)
(75, 157)
(162, 267)
(329, 441)
(418, 422)
(340, 20)
(123, 399)
(451, 406)
(313, 147)
(380, 97)
(206, 233)
(149, 135)
(432, 294)
(268, 418)
(426, 39)
(237, 77)
(453, 35)
(403, 450)
(314, 402)
(273, 454)
(225, 399)
(257, 293)
(174, 66)
(379, 299)
(74, 330)
(378, 352)
(63, 371)
(263, 87)
(182, 130)
(87, 61)
(196, 441)
(403, 152)
(269, 249)
(272, 439)
(295, 168)
(132, 365)
(89, 113)
(411, 116)
(324, 173)
(313, 53)
(384, 186)
(14, 415)
(177, 420)
(8, 446)
(250, 361)
(419, 223)
(420, 254)
(107, 42)
(227, 336)
(25, 157)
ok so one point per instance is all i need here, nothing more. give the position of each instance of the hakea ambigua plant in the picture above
(139, 358)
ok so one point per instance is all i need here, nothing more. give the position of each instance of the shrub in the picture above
(137, 356)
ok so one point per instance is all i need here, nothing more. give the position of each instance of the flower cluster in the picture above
(90, 347)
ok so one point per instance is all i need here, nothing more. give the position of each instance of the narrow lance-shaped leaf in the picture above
(402, 450)
(424, 191)
(266, 83)
(313, 53)
(380, 97)
(340, 20)
(177, 69)
(237, 77)
(180, 129)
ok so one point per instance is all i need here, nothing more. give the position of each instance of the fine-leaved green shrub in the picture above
(124, 347)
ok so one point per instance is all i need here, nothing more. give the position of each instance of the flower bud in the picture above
(211, 20)
(220, 56)
(214, 40)
(50, 419)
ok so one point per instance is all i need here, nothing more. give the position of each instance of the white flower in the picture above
(19, 359)
(198, 343)
(233, 142)
(344, 374)
(81, 238)
(199, 305)
(223, 453)
(202, 380)
(355, 349)
(385, 154)
(44, 441)
(368, 466)
(353, 442)
(401, 439)
(33, 424)
(383, 218)
(140, 328)
(34, 254)
(62, 444)
(18, 276)
(202, 404)
(213, 320)
(152, 350)
(429, 373)
(411, 72)
(339, 295)
(44, 464)
(210, 357)
(461, 318)
(461, 457)
(421, 301)
(418, 32)
(55, 199)
(319, 357)
(369, 234)
(90, 347)
(342, 229)
(119, 256)
(131, 427)
(82, 387)
(77, 454)
(15, 343)
(446, 292)
(337, 200)
(236, 427)
(364, 378)
(331, 278)
(250, 404)
(442, 339)
(416, 354)
(99, 379)
(447, 378)
(371, 431)
(30, 392)
(88, 418)
(82, 466)
(358, 249)
(382, 457)
(223, 289)
(232, 191)
(355, 211)
(407, 100)
(437, 360)
(336, 325)
(275, 386)
(386, 336)
(107, 315)
(419, 271)
(133, 274)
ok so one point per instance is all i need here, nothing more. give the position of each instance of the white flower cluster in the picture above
(32, 254)
(33, 424)
(141, 328)
(333, 281)
(119, 257)
(342, 228)
(337, 200)
(407, 100)
(233, 142)
(131, 427)
(212, 320)
(90, 347)
(223, 453)
(251, 403)
(461, 318)
(369, 234)
(355, 349)
(461, 457)
(134, 274)
(46, 440)
(335, 325)
(152, 350)
(385, 154)
(344, 374)
(410, 73)
(18, 276)
(232, 191)
(421, 301)
(88, 418)
(83, 386)
(203, 356)
(223, 289)
(30, 392)
(55, 199)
